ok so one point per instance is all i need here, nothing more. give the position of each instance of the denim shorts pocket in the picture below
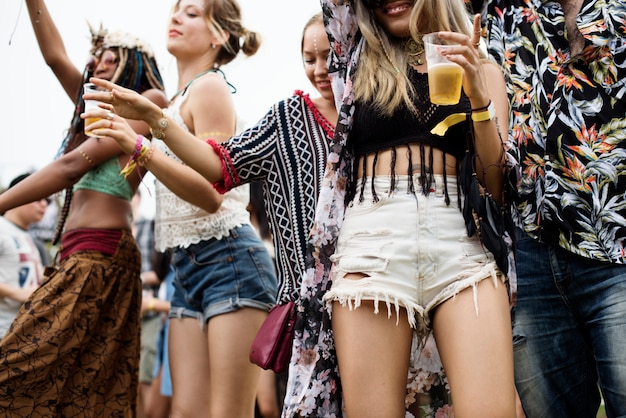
(180, 267)
(361, 251)
(188, 263)
(265, 268)
(360, 263)
(366, 206)
(203, 255)
(519, 338)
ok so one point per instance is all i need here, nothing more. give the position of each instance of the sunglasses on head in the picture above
(373, 4)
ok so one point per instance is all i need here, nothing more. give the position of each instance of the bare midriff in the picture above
(91, 209)
(383, 164)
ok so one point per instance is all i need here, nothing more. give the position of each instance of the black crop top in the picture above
(372, 132)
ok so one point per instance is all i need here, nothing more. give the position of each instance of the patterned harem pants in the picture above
(73, 349)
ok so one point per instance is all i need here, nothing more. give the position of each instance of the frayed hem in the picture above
(488, 271)
(353, 299)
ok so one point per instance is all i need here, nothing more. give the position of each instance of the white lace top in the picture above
(179, 223)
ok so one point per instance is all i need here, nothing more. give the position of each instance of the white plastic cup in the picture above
(89, 105)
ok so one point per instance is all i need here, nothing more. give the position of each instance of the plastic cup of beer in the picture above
(90, 104)
(444, 77)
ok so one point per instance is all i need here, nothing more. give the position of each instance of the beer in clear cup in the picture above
(89, 105)
(445, 78)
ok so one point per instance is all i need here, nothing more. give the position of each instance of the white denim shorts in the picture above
(412, 249)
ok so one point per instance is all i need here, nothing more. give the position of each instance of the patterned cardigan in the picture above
(286, 150)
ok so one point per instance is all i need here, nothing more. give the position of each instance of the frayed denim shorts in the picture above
(218, 276)
(411, 249)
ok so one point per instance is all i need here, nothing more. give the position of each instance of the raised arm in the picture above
(195, 152)
(52, 48)
(483, 83)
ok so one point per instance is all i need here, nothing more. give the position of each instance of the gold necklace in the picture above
(414, 50)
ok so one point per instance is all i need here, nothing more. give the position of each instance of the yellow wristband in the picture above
(485, 115)
(151, 304)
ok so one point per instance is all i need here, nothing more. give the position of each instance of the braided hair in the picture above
(136, 69)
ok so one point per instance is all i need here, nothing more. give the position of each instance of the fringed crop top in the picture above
(106, 178)
(372, 132)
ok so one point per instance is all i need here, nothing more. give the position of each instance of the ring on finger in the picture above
(110, 115)
(110, 124)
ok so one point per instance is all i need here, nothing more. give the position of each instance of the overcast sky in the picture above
(35, 111)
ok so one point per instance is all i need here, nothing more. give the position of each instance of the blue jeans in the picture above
(569, 333)
(162, 362)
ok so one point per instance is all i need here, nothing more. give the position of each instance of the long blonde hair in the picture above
(381, 76)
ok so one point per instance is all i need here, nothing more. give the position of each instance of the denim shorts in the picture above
(412, 249)
(218, 276)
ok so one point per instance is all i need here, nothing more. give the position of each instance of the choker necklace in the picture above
(414, 51)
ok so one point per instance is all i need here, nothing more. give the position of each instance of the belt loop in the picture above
(439, 188)
(417, 179)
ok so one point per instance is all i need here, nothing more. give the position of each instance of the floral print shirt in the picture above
(568, 121)
(314, 387)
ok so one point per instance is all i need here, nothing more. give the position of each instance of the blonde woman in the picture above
(395, 264)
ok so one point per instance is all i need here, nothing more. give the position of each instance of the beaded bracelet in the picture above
(142, 145)
(143, 160)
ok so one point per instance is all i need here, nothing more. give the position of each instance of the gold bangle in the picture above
(484, 115)
(159, 131)
(152, 304)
